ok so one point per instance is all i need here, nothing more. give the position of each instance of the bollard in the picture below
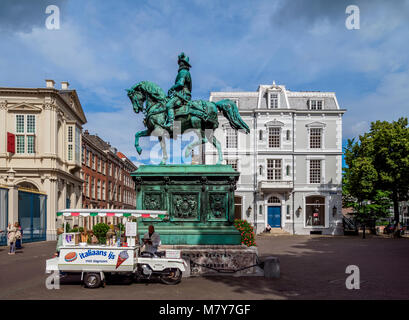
(271, 267)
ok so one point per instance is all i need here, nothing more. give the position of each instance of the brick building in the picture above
(106, 175)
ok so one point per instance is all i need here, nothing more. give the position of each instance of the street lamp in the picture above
(249, 211)
(299, 211)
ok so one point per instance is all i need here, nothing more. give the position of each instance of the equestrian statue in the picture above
(161, 111)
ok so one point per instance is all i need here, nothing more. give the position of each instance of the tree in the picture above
(378, 167)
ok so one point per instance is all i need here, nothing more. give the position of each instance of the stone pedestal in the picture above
(204, 259)
(199, 200)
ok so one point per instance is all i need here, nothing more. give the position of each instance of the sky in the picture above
(105, 47)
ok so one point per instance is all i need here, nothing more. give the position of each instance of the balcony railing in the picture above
(275, 184)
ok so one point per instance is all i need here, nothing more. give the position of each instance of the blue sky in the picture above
(104, 47)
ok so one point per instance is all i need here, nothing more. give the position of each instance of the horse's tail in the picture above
(231, 112)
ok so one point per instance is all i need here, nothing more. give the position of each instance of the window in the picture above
(288, 216)
(315, 211)
(273, 137)
(273, 100)
(315, 171)
(237, 207)
(70, 142)
(86, 185)
(288, 135)
(233, 163)
(260, 135)
(316, 104)
(87, 157)
(273, 200)
(92, 188)
(94, 162)
(99, 189)
(273, 169)
(70, 152)
(25, 133)
(82, 155)
(231, 138)
(103, 190)
(287, 170)
(77, 144)
(315, 138)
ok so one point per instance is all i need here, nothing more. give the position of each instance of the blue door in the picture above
(32, 216)
(274, 217)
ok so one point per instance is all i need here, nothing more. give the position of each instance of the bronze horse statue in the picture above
(199, 115)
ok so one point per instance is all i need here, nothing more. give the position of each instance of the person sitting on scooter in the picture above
(151, 240)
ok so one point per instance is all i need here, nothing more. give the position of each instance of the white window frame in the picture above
(274, 169)
(270, 93)
(233, 137)
(322, 159)
(313, 144)
(269, 135)
(313, 104)
(316, 125)
(25, 134)
(326, 213)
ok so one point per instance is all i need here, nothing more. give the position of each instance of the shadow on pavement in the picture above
(314, 267)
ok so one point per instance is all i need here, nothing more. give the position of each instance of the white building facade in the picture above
(290, 163)
(40, 157)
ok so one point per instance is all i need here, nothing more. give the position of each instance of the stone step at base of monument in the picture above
(205, 260)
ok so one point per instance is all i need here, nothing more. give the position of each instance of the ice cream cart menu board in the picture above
(97, 256)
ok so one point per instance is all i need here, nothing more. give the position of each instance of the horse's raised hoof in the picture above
(139, 150)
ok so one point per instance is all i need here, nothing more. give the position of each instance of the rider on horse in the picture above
(180, 92)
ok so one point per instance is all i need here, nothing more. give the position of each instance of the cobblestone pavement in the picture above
(312, 267)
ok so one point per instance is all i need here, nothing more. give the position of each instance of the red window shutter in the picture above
(11, 142)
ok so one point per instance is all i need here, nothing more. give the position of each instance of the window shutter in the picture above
(11, 142)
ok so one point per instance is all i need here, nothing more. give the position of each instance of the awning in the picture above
(112, 213)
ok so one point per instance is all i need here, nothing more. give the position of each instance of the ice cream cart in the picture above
(95, 261)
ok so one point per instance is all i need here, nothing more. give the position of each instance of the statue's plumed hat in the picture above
(184, 58)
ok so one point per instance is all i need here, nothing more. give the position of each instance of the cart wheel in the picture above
(172, 276)
(92, 280)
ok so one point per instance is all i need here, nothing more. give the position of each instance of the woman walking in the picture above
(19, 235)
(11, 237)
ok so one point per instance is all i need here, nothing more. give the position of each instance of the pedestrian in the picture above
(60, 231)
(11, 237)
(19, 235)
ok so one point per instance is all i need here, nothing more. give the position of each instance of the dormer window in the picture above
(273, 100)
(316, 104)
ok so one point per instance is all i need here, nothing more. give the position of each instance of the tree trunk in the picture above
(395, 207)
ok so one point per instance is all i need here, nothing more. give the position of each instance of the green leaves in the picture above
(378, 168)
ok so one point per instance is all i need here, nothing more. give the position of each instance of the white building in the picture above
(40, 157)
(290, 163)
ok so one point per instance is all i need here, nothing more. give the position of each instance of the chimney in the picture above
(64, 85)
(49, 83)
(86, 132)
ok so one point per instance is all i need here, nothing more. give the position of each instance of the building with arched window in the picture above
(290, 164)
(40, 159)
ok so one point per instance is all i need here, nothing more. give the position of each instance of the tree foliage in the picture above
(378, 169)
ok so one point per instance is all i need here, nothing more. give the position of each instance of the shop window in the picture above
(315, 211)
